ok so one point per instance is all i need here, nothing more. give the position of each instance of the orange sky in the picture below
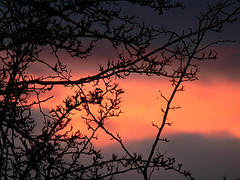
(205, 108)
(208, 108)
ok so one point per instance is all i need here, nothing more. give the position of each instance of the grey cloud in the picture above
(226, 67)
(208, 158)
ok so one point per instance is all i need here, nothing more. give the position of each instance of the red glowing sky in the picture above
(209, 106)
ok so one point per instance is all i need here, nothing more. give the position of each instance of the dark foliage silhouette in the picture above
(28, 28)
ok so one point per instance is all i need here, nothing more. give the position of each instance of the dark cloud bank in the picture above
(226, 67)
(208, 158)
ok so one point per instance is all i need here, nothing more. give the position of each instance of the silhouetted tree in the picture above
(29, 28)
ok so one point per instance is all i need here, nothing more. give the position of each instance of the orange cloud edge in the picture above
(206, 108)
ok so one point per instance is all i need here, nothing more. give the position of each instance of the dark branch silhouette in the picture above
(29, 28)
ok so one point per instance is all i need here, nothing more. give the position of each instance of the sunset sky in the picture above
(206, 126)
(209, 116)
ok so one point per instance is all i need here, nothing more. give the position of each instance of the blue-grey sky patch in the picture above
(207, 157)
